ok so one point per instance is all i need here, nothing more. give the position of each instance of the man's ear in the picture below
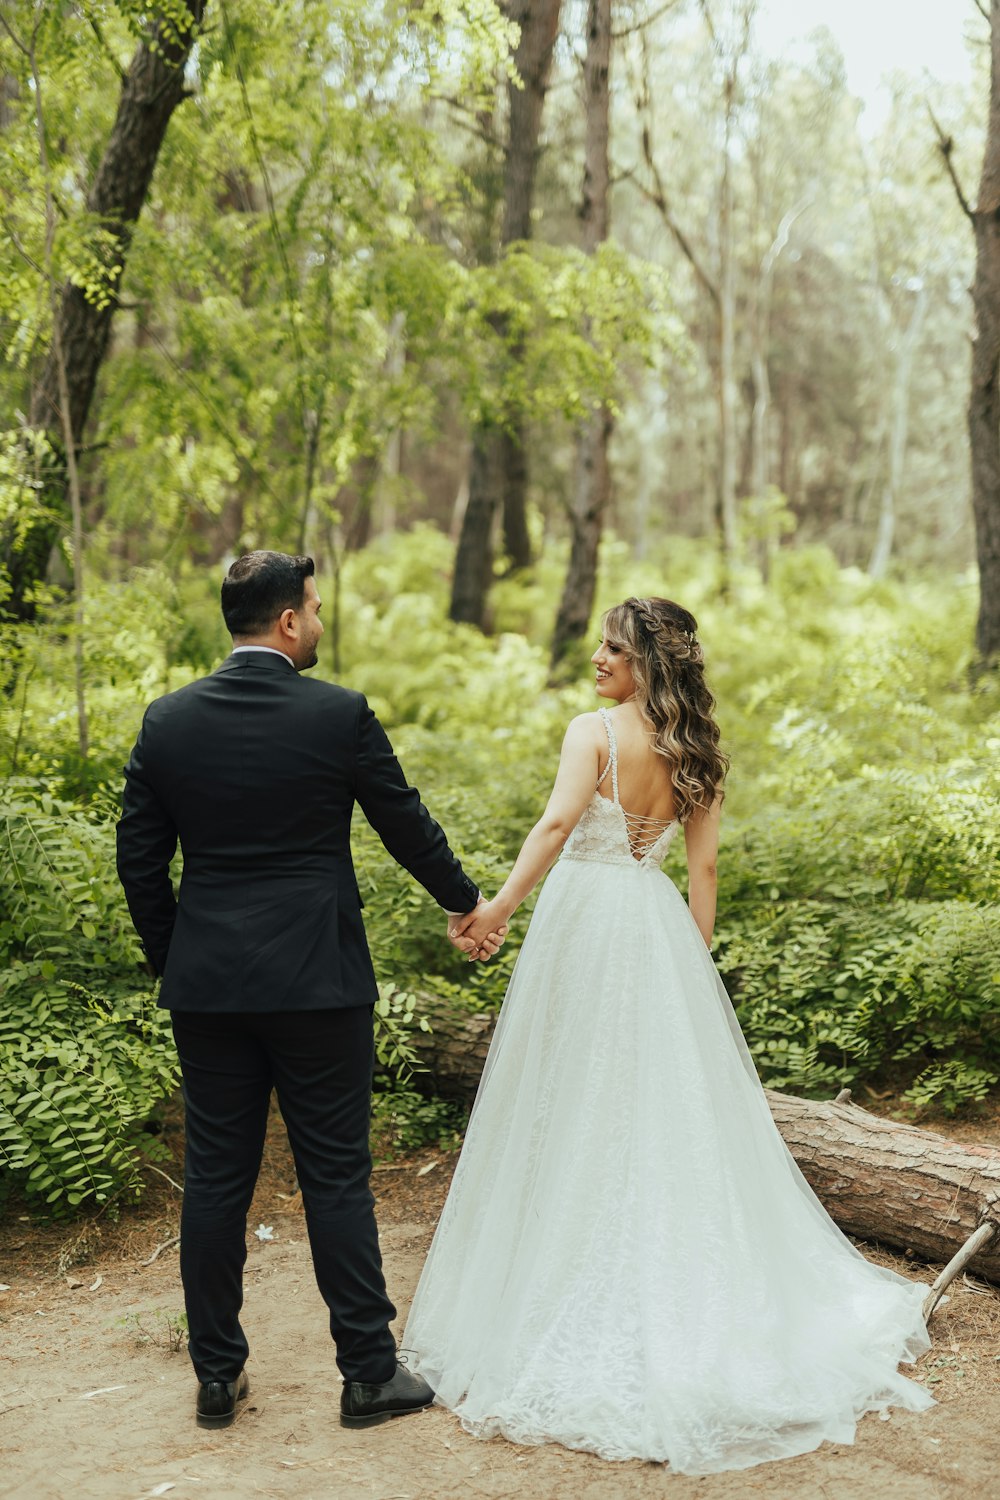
(287, 622)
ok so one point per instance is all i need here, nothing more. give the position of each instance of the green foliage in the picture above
(402, 1119)
(860, 870)
(299, 287)
(395, 1018)
(85, 1055)
(860, 873)
(949, 1085)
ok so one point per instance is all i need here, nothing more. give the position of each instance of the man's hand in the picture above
(486, 944)
(481, 931)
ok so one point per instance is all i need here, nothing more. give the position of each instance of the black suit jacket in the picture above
(256, 770)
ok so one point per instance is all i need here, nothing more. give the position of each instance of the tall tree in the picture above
(151, 90)
(592, 484)
(498, 473)
(729, 35)
(984, 397)
(898, 424)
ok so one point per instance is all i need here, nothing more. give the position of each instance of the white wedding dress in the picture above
(629, 1261)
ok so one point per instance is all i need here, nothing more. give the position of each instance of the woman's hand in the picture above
(486, 945)
(482, 931)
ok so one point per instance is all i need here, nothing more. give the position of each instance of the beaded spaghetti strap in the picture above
(612, 753)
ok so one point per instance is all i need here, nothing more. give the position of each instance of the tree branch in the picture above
(946, 145)
(272, 213)
(20, 246)
(657, 195)
(646, 21)
(21, 47)
(102, 42)
(472, 126)
(703, 7)
(62, 387)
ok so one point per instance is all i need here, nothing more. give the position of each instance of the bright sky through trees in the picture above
(877, 37)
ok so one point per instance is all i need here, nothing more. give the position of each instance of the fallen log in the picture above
(908, 1188)
(880, 1180)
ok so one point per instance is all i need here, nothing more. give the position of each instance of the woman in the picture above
(629, 1260)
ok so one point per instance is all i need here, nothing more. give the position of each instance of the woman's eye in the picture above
(615, 650)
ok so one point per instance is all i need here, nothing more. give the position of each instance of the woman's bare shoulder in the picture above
(586, 727)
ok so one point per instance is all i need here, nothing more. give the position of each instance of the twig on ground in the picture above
(173, 1184)
(174, 1240)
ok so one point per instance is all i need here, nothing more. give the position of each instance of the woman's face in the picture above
(614, 672)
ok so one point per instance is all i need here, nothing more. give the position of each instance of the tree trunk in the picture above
(727, 342)
(474, 556)
(592, 484)
(760, 450)
(514, 467)
(151, 91)
(879, 1180)
(384, 507)
(592, 489)
(984, 399)
(882, 550)
(503, 469)
(8, 94)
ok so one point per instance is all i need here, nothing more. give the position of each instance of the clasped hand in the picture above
(478, 933)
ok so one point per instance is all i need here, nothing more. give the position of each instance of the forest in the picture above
(503, 312)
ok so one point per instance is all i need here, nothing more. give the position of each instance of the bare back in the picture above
(644, 787)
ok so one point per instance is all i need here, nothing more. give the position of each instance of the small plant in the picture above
(395, 1017)
(949, 1085)
(157, 1326)
(79, 1248)
(403, 1120)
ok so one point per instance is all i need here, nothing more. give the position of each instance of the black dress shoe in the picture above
(361, 1404)
(216, 1406)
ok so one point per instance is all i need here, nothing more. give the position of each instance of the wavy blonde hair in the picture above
(660, 641)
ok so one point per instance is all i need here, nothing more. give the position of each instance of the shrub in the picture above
(85, 1055)
(860, 868)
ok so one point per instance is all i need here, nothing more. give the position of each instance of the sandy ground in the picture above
(95, 1405)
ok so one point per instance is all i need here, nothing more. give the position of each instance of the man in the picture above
(265, 966)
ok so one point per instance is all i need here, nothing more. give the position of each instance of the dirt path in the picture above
(95, 1406)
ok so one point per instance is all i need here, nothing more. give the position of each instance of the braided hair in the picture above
(660, 642)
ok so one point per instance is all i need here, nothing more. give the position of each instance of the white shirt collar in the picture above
(273, 650)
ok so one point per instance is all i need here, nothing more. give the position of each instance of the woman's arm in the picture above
(574, 786)
(701, 839)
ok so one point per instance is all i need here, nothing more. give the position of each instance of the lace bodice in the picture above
(609, 834)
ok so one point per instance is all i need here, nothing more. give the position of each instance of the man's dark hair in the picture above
(259, 586)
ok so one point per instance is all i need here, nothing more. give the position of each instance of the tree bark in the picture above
(8, 94)
(879, 1180)
(151, 91)
(984, 398)
(728, 532)
(592, 486)
(500, 477)
(514, 470)
(760, 448)
(592, 490)
(474, 555)
(882, 549)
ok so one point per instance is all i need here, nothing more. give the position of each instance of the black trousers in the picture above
(320, 1062)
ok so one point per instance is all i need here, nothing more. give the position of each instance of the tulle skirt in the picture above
(629, 1261)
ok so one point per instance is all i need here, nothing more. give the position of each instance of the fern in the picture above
(81, 1068)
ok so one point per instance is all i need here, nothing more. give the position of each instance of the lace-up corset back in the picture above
(609, 834)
